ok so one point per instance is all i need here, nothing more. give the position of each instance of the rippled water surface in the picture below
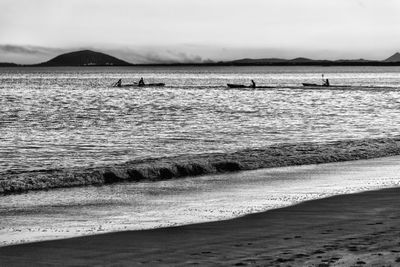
(67, 117)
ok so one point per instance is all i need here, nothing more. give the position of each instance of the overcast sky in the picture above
(194, 30)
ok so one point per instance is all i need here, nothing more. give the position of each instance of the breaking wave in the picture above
(155, 169)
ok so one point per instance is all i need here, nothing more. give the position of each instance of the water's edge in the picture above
(182, 166)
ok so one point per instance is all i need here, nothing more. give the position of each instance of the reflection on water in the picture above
(89, 210)
(67, 117)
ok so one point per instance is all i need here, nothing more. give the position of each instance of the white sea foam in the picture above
(72, 212)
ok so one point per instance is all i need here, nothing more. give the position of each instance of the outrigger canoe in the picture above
(144, 85)
(231, 85)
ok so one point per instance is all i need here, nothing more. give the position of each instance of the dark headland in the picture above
(92, 58)
(6, 64)
(84, 58)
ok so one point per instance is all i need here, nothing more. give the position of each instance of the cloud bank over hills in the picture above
(37, 54)
(94, 58)
(186, 53)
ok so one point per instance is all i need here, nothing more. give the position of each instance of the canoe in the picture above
(144, 85)
(125, 85)
(152, 85)
(315, 85)
(232, 85)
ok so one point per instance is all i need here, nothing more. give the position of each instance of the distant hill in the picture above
(302, 61)
(394, 58)
(85, 58)
(276, 61)
(257, 61)
(353, 60)
(262, 61)
(5, 64)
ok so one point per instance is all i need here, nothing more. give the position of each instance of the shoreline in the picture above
(156, 169)
(342, 229)
(41, 215)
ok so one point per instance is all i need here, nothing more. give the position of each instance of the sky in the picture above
(158, 31)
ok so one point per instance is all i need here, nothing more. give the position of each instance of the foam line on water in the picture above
(155, 169)
(90, 210)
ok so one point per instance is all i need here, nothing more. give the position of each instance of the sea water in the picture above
(69, 117)
(55, 118)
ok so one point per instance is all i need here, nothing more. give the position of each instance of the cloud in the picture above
(28, 50)
(169, 56)
(154, 55)
(27, 54)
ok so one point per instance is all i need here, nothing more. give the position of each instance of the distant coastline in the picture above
(224, 64)
(88, 58)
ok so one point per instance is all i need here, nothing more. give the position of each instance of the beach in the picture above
(348, 230)
(359, 229)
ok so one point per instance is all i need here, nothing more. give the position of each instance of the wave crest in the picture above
(156, 169)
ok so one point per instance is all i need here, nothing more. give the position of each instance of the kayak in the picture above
(231, 85)
(144, 85)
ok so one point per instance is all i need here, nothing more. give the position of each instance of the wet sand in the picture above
(349, 230)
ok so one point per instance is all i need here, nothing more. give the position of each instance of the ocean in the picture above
(53, 118)
(68, 127)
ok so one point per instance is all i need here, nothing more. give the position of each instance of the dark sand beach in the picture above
(348, 230)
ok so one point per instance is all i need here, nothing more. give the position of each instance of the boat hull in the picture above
(144, 85)
(231, 85)
(315, 85)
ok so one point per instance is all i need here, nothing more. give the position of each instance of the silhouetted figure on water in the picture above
(119, 83)
(141, 82)
(253, 84)
(325, 81)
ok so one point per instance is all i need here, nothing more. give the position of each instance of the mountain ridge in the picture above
(93, 58)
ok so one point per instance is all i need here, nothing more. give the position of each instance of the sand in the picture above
(349, 230)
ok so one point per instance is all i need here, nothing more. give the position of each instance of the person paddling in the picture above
(141, 82)
(119, 83)
(253, 84)
(325, 81)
